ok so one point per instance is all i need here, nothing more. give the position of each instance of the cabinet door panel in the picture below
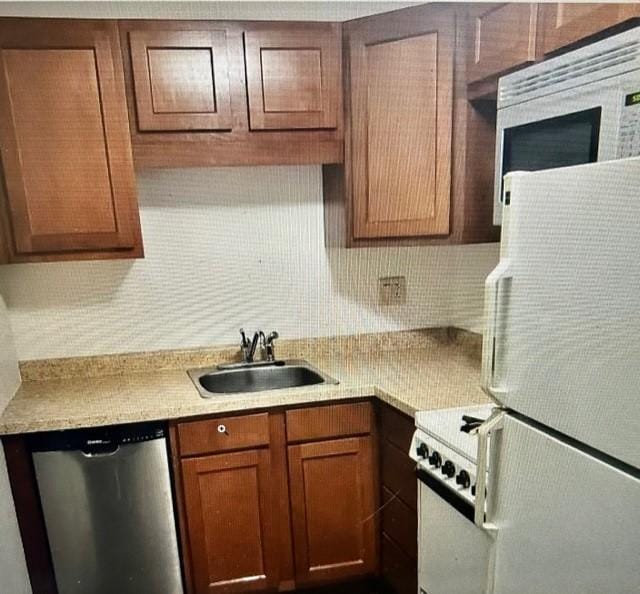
(333, 504)
(64, 135)
(293, 78)
(230, 522)
(181, 80)
(398, 570)
(503, 38)
(401, 103)
(567, 22)
(398, 474)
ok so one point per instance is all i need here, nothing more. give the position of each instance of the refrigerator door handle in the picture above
(493, 423)
(491, 315)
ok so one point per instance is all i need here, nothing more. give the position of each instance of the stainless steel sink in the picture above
(257, 377)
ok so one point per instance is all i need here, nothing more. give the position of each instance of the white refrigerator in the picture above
(561, 357)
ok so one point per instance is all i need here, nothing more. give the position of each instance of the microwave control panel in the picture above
(629, 140)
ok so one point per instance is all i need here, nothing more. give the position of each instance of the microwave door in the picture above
(562, 337)
(573, 127)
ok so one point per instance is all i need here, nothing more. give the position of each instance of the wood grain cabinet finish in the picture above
(399, 571)
(181, 79)
(64, 139)
(418, 162)
(401, 124)
(399, 545)
(565, 23)
(223, 434)
(332, 509)
(293, 77)
(230, 519)
(217, 93)
(326, 422)
(503, 38)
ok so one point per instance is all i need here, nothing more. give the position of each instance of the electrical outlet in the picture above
(392, 290)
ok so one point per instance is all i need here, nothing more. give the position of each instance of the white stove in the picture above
(445, 447)
(453, 552)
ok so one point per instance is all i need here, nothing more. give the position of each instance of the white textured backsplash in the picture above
(9, 373)
(233, 247)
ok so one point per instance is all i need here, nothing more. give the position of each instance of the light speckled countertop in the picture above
(415, 370)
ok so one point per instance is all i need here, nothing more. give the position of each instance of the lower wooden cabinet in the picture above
(399, 570)
(230, 521)
(249, 505)
(399, 541)
(333, 506)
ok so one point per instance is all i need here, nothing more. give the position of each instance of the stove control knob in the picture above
(448, 469)
(422, 450)
(435, 459)
(463, 479)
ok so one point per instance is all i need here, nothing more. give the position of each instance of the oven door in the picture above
(572, 127)
(455, 555)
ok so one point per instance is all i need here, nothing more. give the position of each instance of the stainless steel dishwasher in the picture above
(108, 510)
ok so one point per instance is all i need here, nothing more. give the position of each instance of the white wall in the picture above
(332, 10)
(9, 373)
(13, 570)
(233, 247)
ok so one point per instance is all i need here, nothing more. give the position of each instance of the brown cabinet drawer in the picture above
(225, 433)
(398, 474)
(326, 422)
(400, 523)
(396, 427)
(399, 571)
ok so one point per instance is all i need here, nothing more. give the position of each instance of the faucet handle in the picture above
(268, 346)
(244, 342)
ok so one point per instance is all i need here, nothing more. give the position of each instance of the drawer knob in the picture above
(222, 429)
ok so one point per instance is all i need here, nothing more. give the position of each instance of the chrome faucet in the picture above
(249, 348)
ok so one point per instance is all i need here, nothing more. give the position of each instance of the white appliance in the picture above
(454, 553)
(581, 107)
(556, 508)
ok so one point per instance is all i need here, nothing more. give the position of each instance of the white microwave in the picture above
(581, 107)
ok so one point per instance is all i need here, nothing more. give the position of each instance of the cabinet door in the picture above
(293, 77)
(401, 116)
(181, 79)
(567, 22)
(227, 500)
(503, 37)
(64, 138)
(332, 507)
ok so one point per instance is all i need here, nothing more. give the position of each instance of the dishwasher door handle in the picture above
(100, 450)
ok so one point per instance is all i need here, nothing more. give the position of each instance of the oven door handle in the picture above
(494, 423)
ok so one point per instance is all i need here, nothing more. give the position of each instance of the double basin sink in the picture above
(257, 377)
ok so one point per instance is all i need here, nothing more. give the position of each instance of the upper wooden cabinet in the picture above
(566, 23)
(64, 139)
(503, 37)
(233, 93)
(181, 79)
(410, 141)
(293, 77)
(401, 93)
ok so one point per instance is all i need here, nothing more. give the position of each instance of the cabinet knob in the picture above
(222, 429)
